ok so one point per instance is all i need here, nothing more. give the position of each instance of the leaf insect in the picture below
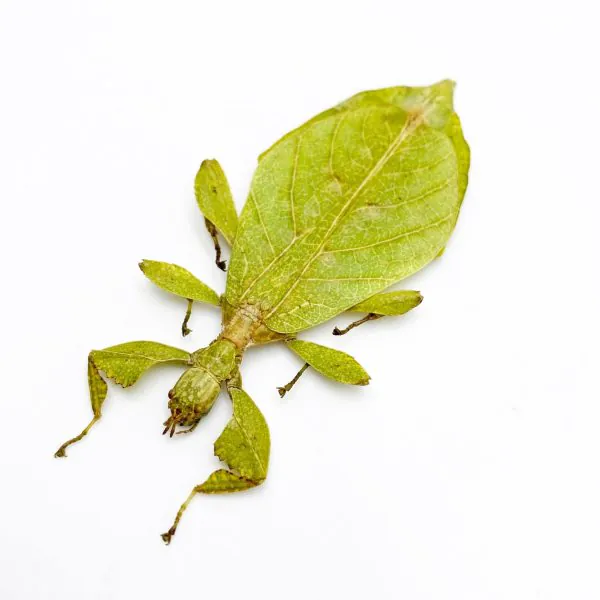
(353, 201)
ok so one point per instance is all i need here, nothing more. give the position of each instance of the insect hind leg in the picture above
(369, 317)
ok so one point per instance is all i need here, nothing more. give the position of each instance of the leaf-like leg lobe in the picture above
(332, 363)
(124, 364)
(244, 446)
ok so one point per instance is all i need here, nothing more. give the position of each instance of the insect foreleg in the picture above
(98, 389)
(212, 230)
(219, 482)
(124, 364)
(216, 205)
(244, 446)
(188, 430)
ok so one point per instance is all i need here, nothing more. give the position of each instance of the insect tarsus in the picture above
(288, 386)
(369, 317)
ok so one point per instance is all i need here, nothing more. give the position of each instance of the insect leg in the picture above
(60, 453)
(166, 537)
(179, 281)
(244, 446)
(124, 364)
(381, 305)
(188, 430)
(219, 482)
(288, 386)
(234, 381)
(216, 205)
(369, 317)
(212, 230)
(98, 389)
(185, 330)
(335, 364)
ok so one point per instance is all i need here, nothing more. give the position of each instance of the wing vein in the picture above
(409, 126)
(396, 237)
(273, 261)
(331, 148)
(140, 356)
(293, 186)
(422, 196)
(345, 279)
(250, 444)
(262, 222)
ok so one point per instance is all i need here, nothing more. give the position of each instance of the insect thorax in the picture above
(197, 389)
(244, 326)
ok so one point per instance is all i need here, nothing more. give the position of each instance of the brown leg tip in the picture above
(166, 537)
(282, 391)
(222, 264)
(336, 331)
(60, 453)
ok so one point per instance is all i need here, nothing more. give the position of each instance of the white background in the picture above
(468, 469)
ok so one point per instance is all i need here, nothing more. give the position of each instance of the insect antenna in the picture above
(175, 422)
(171, 423)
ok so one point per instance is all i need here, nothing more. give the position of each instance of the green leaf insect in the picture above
(348, 204)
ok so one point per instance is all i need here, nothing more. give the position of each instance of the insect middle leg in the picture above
(283, 390)
(185, 330)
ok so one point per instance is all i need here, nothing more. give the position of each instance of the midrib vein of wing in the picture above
(250, 444)
(294, 239)
(140, 356)
(408, 128)
(273, 261)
